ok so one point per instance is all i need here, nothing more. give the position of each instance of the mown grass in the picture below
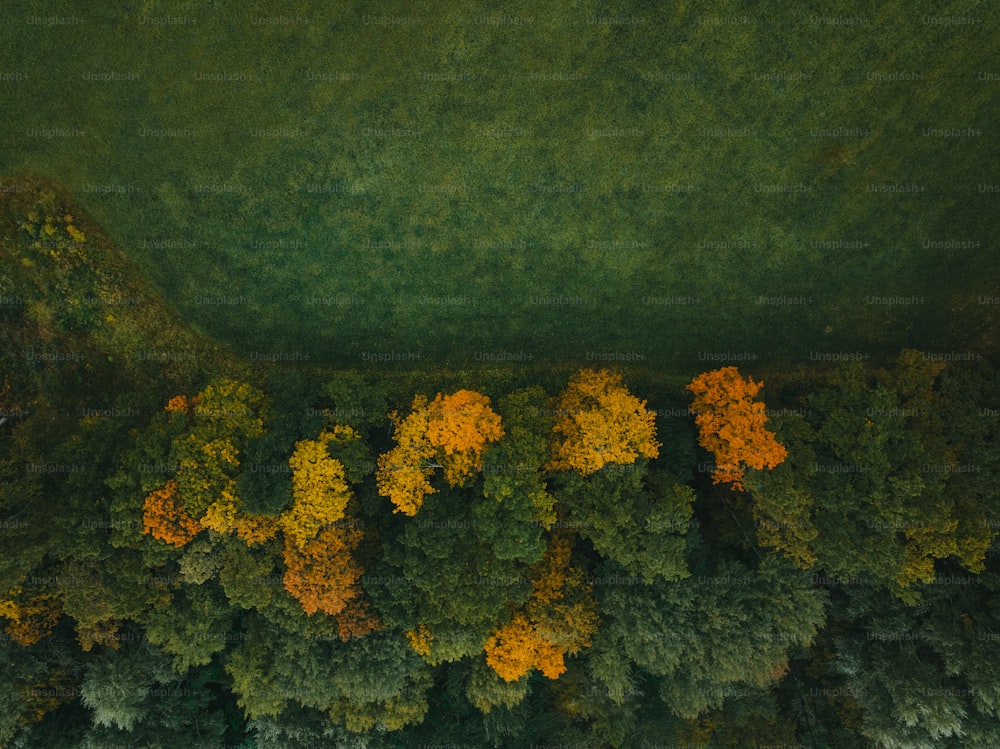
(546, 155)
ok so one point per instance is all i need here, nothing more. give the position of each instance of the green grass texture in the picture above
(672, 184)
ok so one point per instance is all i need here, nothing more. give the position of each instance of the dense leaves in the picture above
(600, 422)
(320, 571)
(558, 619)
(450, 433)
(318, 486)
(731, 425)
(872, 487)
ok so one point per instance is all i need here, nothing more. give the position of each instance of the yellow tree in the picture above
(255, 529)
(30, 617)
(402, 473)
(319, 488)
(451, 433)
(600, 422)
(559, 618)
(731, 425)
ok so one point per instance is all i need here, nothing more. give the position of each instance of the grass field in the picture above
(654, 184)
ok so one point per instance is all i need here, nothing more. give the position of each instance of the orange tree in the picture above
(321, 573)
(731, 425)
(165, 518)
(452, 432)
(559, 618)
(600, 422)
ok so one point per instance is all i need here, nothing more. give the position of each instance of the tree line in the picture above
(200, 553)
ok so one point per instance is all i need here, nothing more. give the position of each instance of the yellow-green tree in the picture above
(203, 493)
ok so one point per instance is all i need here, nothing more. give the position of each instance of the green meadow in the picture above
(452, 184)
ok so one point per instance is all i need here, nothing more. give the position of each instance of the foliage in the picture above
(632, 517)
(357, 401)
(224, 413)
(197, 624)
(31, 615)
(600, 422)
(558, 619)
(318, 486)
(137, 700)
(727, 626)
(403, 471)
(320, 572)
(451, 433)
(918, 677)
(487, 689)
(461, 425)
(513, 476)
(731, 425)
(165, 518)
(870, 488)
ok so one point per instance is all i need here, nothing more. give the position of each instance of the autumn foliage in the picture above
(178, 404)
(403, 472)
(165, 518)
(203, 493)
(420, 639)
(255, 529)
(600, 422)
(462, 425)
(321, 573)
(30, 617)
(559, 618)
(356, 619)
(517, 647)
(451, 433)
(731, 425)
(319, 488)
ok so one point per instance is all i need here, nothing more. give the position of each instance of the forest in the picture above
(206, 549)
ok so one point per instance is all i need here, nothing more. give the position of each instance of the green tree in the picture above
(634, 519)
(374, 681)
(519, 506)
(197, 624)
(727, 625)
(867, 490)
(137, 699)
(357, 401)
(437, 573)
(486, 690)
(301, 728)
(220, 419)
(919, 676)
